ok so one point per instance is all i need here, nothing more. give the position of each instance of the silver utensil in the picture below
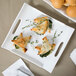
(25, 71)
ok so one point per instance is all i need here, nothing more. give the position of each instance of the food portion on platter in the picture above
(21, 42)
(69, 4)
(42, 24)
(46, 48)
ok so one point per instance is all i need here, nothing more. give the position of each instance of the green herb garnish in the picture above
(15, 37)
(55, 36)
(38, 33)
(32, 42)
(29, 25)
(44, 41)
(36, 41)
(45, 54)
(28, 41)
(34, 23)
(16, 46)
(50, 24)
(27, 20)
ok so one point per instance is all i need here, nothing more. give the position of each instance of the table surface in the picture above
(8, 12)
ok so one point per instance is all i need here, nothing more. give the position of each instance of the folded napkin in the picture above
(18, 69)
(73, 56)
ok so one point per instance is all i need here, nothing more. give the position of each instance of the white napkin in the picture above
(73, 56)
(13, 70)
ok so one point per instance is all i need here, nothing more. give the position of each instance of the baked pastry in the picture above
(40, 19)
(21, 41)
(70, 6)
(71, 11)
(42, 25)
(57, 3)
(46, 48)
(71, 2)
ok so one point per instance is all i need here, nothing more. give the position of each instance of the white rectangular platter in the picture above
(61, 10)
(48, 63)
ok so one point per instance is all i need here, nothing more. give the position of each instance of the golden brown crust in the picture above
(49, 30)
(71, 11)
(41, 28)
(24, 50)
(53, 46)
(39, 49)
(45, 47)
(44, 38)
(57, 3)
(22, 41)
(40, 19)
(71, 2)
